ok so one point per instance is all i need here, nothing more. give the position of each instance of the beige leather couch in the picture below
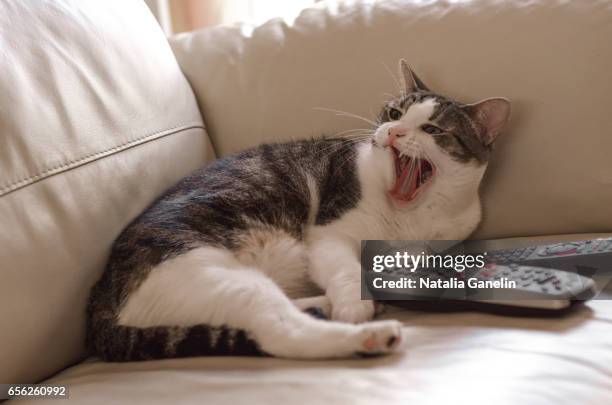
(97, 119)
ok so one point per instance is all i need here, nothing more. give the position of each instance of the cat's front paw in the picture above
(353, 311)
(379, 337)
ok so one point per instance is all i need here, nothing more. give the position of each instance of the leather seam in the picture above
(90, 157)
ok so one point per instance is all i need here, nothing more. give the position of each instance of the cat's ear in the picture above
(490, 115)
(410, 81)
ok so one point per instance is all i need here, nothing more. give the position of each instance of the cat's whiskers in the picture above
(335, 147)
(413, 148)
(346, 143)
(395, 79)
(347, 114)
(352, 135)
(358, 131)
(425, 155)
(342, 163)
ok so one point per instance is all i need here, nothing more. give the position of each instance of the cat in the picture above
(219, 264)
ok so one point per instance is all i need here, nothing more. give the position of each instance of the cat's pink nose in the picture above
(396, 132)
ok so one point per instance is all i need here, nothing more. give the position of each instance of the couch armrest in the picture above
(96, 120)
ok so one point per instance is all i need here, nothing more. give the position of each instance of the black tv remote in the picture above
(585, 257)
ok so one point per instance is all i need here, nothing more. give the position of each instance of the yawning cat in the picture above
(217, 265)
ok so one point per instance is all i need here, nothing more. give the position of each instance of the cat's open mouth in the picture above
(412, 175)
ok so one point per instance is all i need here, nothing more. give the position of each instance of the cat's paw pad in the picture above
(380, 338)
(357, 311)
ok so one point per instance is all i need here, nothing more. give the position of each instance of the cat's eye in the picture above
(431, 129)
(395, 114)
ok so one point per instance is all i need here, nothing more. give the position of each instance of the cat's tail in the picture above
(114, 342)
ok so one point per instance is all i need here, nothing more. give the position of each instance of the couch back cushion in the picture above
(552, 170)
(96, 120)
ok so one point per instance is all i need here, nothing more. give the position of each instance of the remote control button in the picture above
(544, 280)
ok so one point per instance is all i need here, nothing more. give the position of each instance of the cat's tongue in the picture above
(411, 174)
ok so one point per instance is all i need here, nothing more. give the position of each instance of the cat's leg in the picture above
(209, 286)
(335, 267)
